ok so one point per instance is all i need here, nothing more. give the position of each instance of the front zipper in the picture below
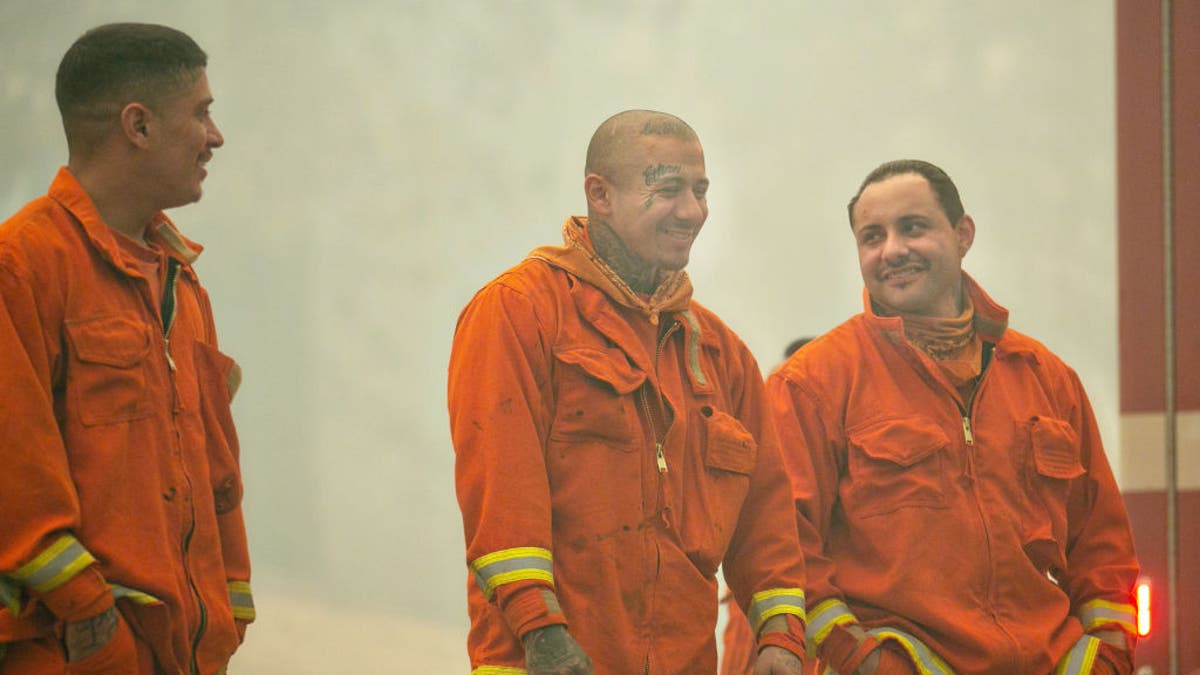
(660, 458)
(169, 304)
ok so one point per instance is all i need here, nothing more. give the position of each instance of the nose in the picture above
(894, 249)
(215, 139)
(691, 209)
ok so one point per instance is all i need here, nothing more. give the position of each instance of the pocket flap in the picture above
(1055, 448)
(110, 340)
(903, 441)
(730, 446)
(607, 365)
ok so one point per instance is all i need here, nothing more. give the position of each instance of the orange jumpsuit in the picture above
(121, 479)
(981, 536)
(611, 453)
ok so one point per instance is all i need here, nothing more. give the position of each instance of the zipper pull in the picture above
(967, 431)
(660, 458)
(167, 351)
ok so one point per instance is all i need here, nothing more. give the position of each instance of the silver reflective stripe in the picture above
(509, 565)
(55, 566)
(139, 597)
(1098, 612)
(693, 348)
(927, 662)
(827, 615)
(1081, 657)
(10, 595)
(767, 604)
(242, 600)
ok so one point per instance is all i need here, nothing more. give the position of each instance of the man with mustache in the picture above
(957, 509)
(122, 546)
(613, 442)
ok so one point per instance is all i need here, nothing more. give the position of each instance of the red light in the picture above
(1143, 609)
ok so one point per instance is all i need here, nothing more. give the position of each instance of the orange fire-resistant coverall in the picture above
(121, 479)
(611, 453)
(980, 536)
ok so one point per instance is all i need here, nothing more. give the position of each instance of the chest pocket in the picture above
(895, 464)
(106, 377)
(1054, 455)
(594, 401)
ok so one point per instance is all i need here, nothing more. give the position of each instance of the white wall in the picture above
(384, 159)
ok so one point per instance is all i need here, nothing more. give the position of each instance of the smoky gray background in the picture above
(384, 159)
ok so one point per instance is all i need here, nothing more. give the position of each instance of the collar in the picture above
(66, 190)
(991, 319)
(578, 257)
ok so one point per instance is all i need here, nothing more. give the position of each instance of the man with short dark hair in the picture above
(957, 509)
(122, 545)
(613, 444)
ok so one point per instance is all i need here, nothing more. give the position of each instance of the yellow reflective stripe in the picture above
(1081, 657)
(497, 670)
(832, 612)
(133, 595)
(766, 604)
(927, 662)
(242, 600)
(10, 596)
(55, 566)
(1099, 612)
(513, 564)
(693, 348)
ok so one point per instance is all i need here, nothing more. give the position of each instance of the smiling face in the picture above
(658, 201)
(909, 252)
(182, 143)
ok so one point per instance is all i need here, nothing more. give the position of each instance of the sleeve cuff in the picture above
(84, 595)
(844, 651)
(792, 639)
(528, 608)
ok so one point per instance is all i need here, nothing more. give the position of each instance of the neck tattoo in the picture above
(640, 277)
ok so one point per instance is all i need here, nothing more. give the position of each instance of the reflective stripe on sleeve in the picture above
(242, 600)
(10, 596)
(766, 604)
(1081, 657)
(55, 566)
(513, 564)
(497, 670)
(133, 595)
(927, 662)
(1100, 612)
(693, 348)
(832, 612)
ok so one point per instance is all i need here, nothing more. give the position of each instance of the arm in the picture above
(499, 420)
(1101, 566)
(764, 565)
(39, 508)
(219, 377)
(813, 456)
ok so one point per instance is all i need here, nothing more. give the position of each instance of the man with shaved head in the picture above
(122, 545)
(613, 442)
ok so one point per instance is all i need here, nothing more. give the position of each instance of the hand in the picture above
(87, 636)
(774, 660)
(552, 651)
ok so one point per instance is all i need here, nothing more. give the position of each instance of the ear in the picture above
(135, 121)
(599, 194)
(966, 234)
